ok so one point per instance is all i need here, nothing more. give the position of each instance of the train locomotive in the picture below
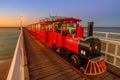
(64, 35)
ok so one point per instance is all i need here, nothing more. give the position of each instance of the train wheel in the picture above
(54, 47)
(81, 69)
(75, 61)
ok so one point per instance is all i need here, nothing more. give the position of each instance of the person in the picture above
(56, 29)
(65, 30)
(59, 28)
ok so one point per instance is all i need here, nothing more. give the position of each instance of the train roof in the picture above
(68, 19)
(64, 19)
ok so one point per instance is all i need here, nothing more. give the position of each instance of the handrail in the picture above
(114, 54)
(16, 71)
(107, 32)
(107, 35)
(108, 39)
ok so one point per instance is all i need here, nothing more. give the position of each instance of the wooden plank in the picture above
(45, 73)
(44, 66)
(67, 76)
(51, 77)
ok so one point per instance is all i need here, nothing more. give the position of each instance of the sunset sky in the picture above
(102, 12)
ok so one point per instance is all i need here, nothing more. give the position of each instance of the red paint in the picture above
(79, 31)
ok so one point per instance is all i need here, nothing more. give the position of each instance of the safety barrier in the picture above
(106, 35)
(16, 71)
(111, 49)
(110, 46)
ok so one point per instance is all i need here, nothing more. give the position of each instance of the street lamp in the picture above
(21, 21)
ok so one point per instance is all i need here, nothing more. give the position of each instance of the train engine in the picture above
(82, 52)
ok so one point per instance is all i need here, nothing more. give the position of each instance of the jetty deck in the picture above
(43, 64)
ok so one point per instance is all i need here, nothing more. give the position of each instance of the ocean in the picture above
(8, 41)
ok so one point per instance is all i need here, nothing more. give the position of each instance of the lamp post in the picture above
(21, 21)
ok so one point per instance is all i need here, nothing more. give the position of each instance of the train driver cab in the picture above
(66, 25)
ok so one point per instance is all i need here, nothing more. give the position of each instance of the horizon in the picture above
(102, 13)
(82, 26)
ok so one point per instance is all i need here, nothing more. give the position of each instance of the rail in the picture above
(110, 46)
(16, 71)
(106, 35)
(111, 49)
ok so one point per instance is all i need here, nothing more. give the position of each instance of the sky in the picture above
(104, 13)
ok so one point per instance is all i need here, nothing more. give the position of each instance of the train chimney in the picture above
(90, 29)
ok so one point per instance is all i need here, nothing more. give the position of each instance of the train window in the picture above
(42, 28)
(65, 29)
(38, 26)
(49, 27)
(72, 27)
(55, 27)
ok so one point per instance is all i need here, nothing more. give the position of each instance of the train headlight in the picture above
(83, 52)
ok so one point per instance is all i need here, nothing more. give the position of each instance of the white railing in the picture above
(16, 71)
(106, 35)
(110, 46)
(111, 51)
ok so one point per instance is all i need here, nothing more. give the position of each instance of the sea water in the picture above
(8, 41)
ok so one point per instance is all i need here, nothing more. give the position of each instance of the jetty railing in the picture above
(106, 35)
(111, 49)
(110, 46)
(16, 71)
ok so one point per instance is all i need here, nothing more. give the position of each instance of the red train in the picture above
(64, 35)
